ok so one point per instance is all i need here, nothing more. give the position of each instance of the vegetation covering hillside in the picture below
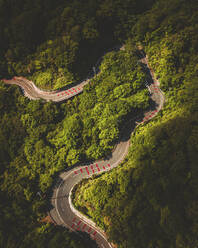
(150, 200)
(39, 139)
(56, 43)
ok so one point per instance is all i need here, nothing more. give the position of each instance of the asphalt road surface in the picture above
(34, 93)
(63, 212)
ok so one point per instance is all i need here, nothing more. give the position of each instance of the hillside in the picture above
(150, 200)
(55, 43)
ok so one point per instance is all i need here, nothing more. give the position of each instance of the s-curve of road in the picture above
(63, 212)
(34, 93)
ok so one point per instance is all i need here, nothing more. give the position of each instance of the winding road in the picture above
(34, 93)
(63, 212)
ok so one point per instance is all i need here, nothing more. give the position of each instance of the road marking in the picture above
(93, 171)
(98, 168)
(81, 170)
(109, 165)
(74, 219)
(96, 165)
(94, 233)
(76, 172)
(89, 230)
(87, 170)
(79, 222)
(84, 226)
(92, 167)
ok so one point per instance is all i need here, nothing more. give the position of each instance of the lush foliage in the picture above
(150, 200)
(56, 43)
(37, 139)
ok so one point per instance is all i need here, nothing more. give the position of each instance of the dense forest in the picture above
(150, 200)
(55, 43)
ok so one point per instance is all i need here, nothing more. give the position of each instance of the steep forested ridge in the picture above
(150, 200)
(55, 43)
